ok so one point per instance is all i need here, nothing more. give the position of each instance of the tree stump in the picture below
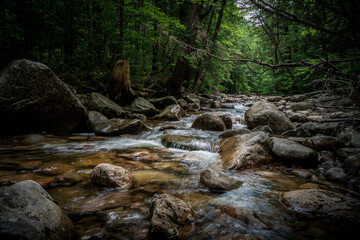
(121, 86)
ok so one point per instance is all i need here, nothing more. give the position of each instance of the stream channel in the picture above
(62, 165)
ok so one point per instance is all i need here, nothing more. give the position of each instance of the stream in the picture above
(62, 165)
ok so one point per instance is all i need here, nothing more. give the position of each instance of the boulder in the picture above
(261, 113)
(350, 137)
(27, 211)
(34, 99)
(322, 143)
(117, 126)
(161, 103)
(299, 117)
(322, 203)
(234, 132)
(193, 107)
(209, 122)
(296, 98)
(215, 104)
(265, 129)
(103, 105)
(173, 113)
(96, 118)
(192, 98)
(336, 174)
(274, 98)
(218, 181)
(227, 121)
(182, 103)
(352, 165)
(108, 175)
(310, 129)
(245, 151)
(300, 106)
(143, 106)
(293, 152)
(171, 218)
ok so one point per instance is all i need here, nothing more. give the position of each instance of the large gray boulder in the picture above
(218, 181)
(118, 126)
(161, 103)
(34, 99)
(209, 122)
(310, 129)
(28, 212)
(107, 107)
(143, 106)
(246, 151)
(293, 152)
(109, 175)
(261, 114)
(323, 203)
(171, 218)
(96, 118)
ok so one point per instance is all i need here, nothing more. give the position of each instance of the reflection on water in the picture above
(63, 164)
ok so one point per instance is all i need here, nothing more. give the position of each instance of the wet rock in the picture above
(274, 98)
(310, 129)
(215, 104)
(107, 107)
(336, 174)
(96, 118)
(96, 234)
(265, 129)
(218, 181)
(248, 217)
(299, 117)
(209, 122)
(34, 99)
(161, 103)
(143, 106)
(321, 142)
(347, 152)
(139, 116)
(172, 112)
(352, 165)
(187, 142)
(117, 126)
(296, 98)
(246, 150)
(293, 152)
(193, 107)
(261, 114)
(227, 121)
(350, 137)
(301, 106)
(182, 103)
(323, 203)
(142, 156)
(167, 126)
(109, 175)
(280, 103)
(27, 211)
(234, 132)
(171, 217)
(302, 173)
(192, 98)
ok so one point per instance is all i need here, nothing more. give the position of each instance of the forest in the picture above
(232, 46)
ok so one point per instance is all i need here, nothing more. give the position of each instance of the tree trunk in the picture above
(121, 86)
(200, 80)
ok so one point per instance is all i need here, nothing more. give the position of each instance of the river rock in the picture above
(227, 121)
(299, 117)
(265, 129)
(171, 218)
(182, 103)
(161, 103)
(34, 99)
(192, 98)
(336, 174)
(350, 137)
(296, 98)
(209, 122)
(143, 106)
(193, 107)
(27, 211)
(173, 113)
(300, 106)
(108, 175)
(310, 129)
(218, 181)
(352, 165)
(274, 98)
(246, 150)
(234, 132)
(322, 143)
(102, 104)
(293, 152)
(215, 104)
(96, 118)
(118, 126)
(322, 203)
(261, 113)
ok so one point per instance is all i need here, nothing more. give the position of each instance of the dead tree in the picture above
(121, 89)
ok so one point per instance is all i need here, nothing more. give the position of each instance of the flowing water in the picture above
(63, 165)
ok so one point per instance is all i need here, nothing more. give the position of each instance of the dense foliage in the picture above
(262, 46)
